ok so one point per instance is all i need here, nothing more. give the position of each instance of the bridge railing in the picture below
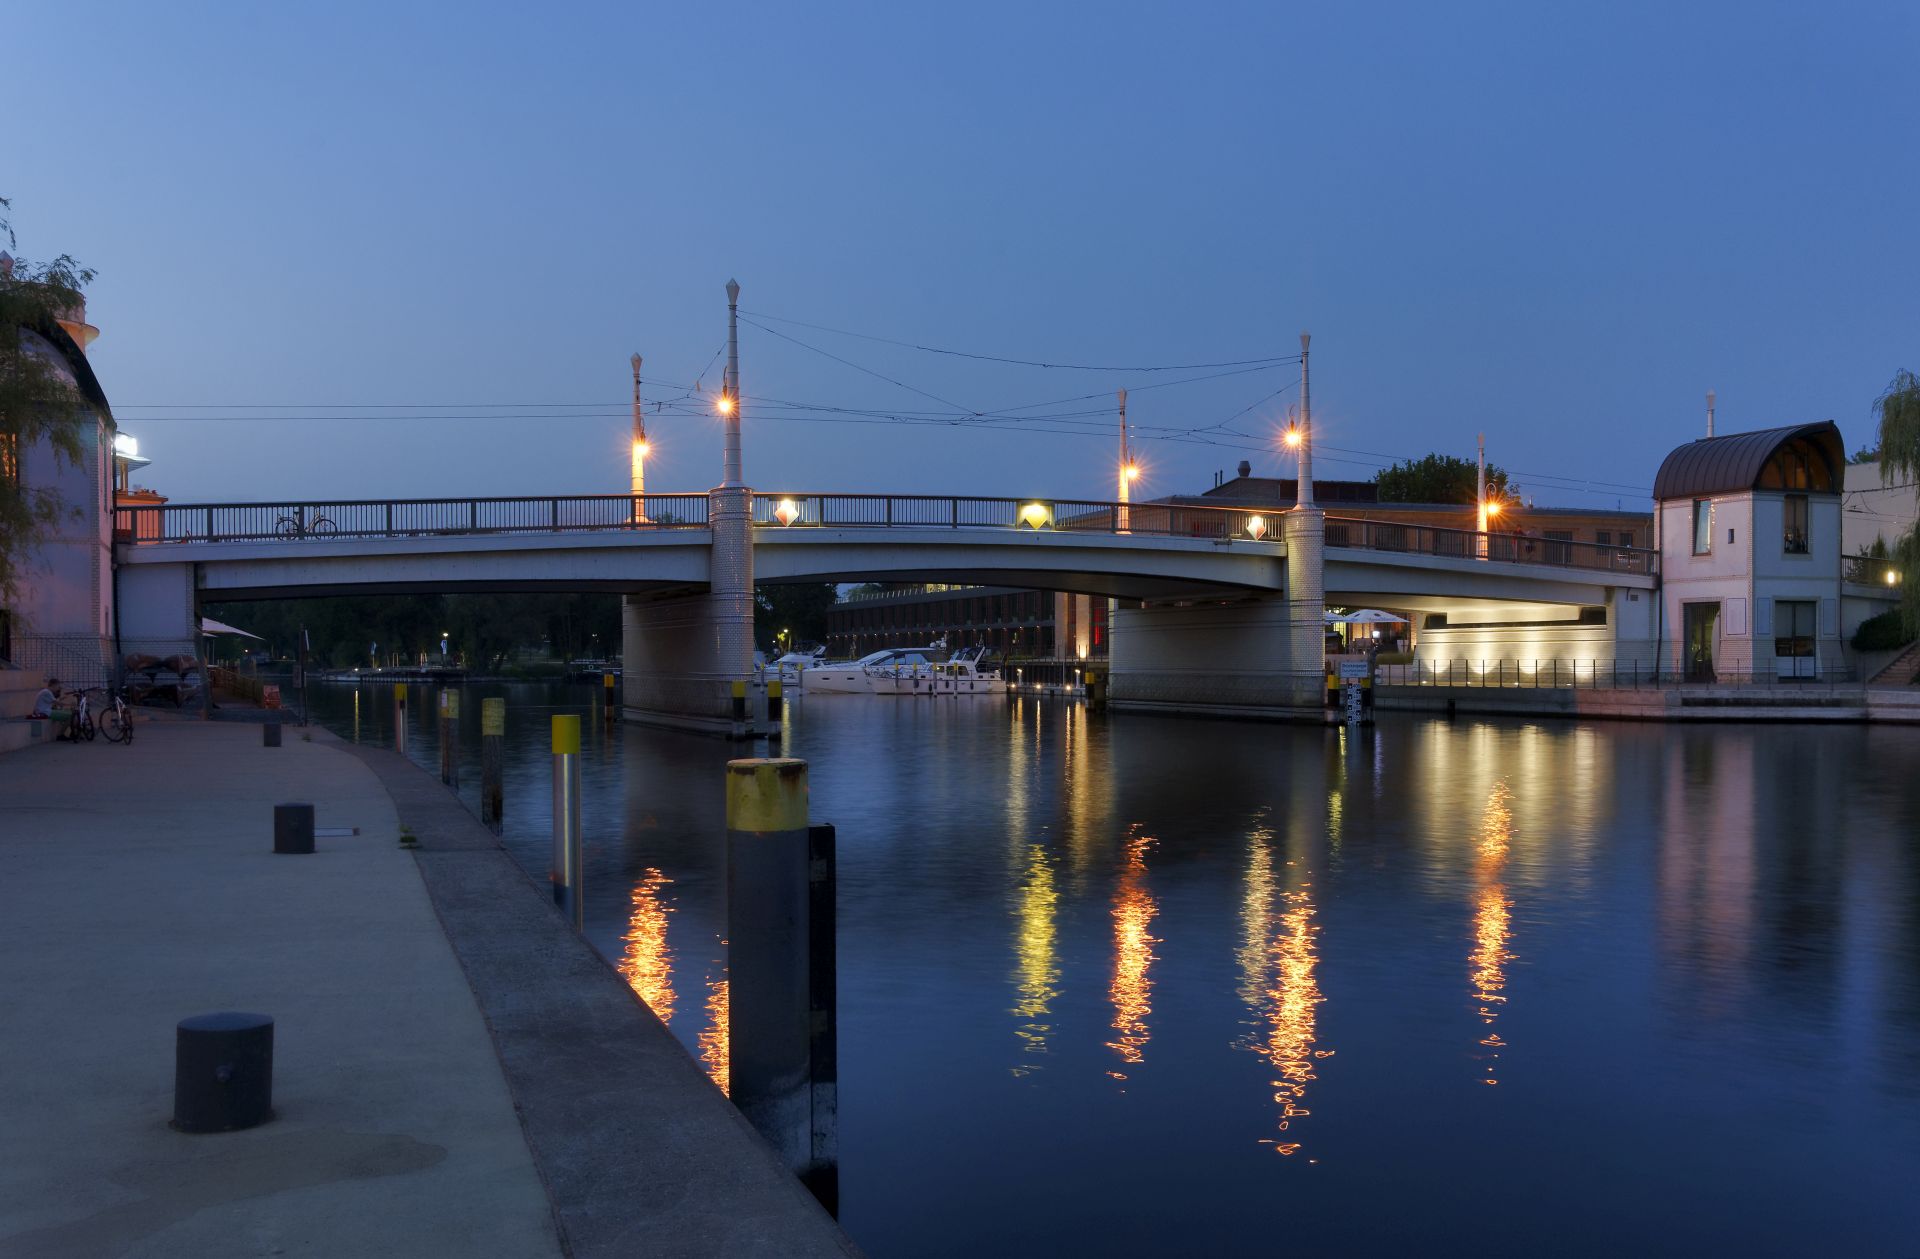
(404, 518)
(921, 511)
(1511, 548)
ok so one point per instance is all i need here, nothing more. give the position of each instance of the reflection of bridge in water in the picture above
(1221, 607)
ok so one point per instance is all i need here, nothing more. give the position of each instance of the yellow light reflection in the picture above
(1037, 975)
(647, 962)
(713, 1038)
(1292, 1014)
(1256, 919)
(1492, 923)
(1133, 911)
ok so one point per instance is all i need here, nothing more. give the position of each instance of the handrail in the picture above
(1505, 548)
(322, 519)
(1040, 514)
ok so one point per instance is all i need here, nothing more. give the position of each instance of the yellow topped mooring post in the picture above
(450, 737)
(567, 872)
(608, 703)
(780, 965)
(493, 731)
(400, 718)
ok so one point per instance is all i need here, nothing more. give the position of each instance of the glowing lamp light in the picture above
(786, 511)
(1294, 437)
(725, 404)
(1256, 527)
(1036, 516)
(1493, 508)
(126, 444)
(1893, 578)
(641, 450)
(1131, 472)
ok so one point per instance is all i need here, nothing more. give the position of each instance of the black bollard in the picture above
(222, 1072)
(293, 828)
(493, 731)
(821, 1173)
(270, 735)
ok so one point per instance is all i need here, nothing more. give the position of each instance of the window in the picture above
(1626, 537)
(1603, 537)
(1793, 632)
(1793, 527)
(1702, 526)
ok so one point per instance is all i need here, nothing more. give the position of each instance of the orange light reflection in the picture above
(1492, 922)
(1133, 911)
(647, 963)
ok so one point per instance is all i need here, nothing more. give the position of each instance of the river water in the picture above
(1143, 986)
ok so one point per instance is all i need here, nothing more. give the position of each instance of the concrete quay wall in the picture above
(1785, 702)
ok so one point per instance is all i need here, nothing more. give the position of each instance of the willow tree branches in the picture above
(40, 409)
(1899, 409)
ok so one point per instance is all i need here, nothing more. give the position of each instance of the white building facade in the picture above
(1749, 529)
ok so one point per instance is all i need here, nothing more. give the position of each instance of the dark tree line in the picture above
(484, 630)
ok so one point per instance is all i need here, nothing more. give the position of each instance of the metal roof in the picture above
(1725, 465)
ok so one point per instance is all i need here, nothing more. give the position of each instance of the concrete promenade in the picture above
(138, 886)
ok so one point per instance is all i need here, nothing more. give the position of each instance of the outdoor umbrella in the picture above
(210, 627)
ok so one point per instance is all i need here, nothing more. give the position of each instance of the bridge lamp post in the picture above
(638, 487)
(730, 395)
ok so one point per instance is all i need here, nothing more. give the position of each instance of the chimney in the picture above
(1709, 413)
(1246, 469)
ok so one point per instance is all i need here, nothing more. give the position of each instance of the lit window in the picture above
(1793, 529)
(1702, 526)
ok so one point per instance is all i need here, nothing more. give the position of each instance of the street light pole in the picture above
(1303, 496)
(730, 403)
(1127, 470)
(639, 473)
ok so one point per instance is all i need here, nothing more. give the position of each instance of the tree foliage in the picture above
(39, 406)
(801, 609)
(1899, 409)
(1439, 479)
(486, 631)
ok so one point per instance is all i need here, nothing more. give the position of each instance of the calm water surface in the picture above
(1145, 986)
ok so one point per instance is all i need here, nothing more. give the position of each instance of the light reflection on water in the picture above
(1705, 939)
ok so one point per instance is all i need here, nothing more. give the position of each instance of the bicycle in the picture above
(116, 718)
(81, 725)
(297, 525)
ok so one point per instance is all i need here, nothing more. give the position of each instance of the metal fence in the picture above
(921, 511)
(1586, 675)
(1510, 548)
(404, 518)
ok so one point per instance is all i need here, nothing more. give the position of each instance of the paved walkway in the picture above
(138, 886)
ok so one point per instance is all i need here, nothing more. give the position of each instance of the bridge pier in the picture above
(682, 654)
(1261, 657)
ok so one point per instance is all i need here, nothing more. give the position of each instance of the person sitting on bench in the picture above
(48, 704)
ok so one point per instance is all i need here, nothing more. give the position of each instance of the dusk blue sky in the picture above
(1558, 224)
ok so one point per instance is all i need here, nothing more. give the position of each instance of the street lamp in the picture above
(638, 465)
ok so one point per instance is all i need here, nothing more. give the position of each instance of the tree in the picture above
(39, 404)
(1439, 479)
(801, 609)
(1899, 409)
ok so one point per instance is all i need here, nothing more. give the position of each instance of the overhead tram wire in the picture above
(1019, 362)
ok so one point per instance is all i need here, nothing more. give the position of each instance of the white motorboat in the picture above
(789, 667)
(909, 671)
(871, 674)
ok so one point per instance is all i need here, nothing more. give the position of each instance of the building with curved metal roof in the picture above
(1770, 458)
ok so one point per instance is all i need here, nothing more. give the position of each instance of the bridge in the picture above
(1220, 609)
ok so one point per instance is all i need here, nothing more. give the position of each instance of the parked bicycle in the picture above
(298, 526)
(81, 725)
(116, 717)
